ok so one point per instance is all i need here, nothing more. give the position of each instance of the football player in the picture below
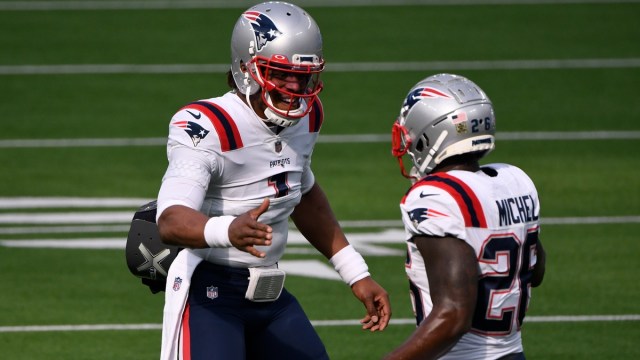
(473, 251)
(239, 168)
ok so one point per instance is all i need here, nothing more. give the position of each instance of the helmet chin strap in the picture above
(280, 120)
(272, 116)
(425, 168)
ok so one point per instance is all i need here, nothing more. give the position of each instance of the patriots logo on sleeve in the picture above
(195, 131)
(263, 28)
(421, 214)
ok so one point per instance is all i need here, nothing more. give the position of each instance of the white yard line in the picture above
(333, 139)
(367, 243)
(28, 202)
(66, 69)
(124, 217)
(316, 323)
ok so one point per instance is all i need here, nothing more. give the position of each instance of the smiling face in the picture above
(287, 92)
(276, 52)
(286, 88)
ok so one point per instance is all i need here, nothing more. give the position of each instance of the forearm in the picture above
(317, 223)
(540, 267)
(436, 335)
(182, 226)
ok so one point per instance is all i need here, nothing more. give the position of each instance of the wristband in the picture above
(350, 265)
(216, 231)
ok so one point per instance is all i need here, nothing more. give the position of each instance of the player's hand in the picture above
(246, 231)
(376, 301)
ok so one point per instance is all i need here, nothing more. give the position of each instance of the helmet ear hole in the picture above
(423, 142)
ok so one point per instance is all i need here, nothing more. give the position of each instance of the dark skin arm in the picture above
(539, 268)
(452, 271)
(316, 221)
(183, 226)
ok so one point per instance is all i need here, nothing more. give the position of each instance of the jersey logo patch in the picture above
(421, 214)
(212, 292)
(225, 127)
(177, 282)
(195, 131)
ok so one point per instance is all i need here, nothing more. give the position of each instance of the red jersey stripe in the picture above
(224, 125)
(463, 195)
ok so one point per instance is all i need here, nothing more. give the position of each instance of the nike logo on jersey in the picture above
(194, 115)
(423, 195)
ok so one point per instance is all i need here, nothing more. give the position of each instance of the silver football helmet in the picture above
(282, 37)
(442, 116)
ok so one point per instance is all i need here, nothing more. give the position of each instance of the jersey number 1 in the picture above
(280, 185)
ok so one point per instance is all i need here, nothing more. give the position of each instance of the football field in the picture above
(87, 89)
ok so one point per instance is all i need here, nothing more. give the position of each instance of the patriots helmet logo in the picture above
(194, 130)
(263, 28)
(422, 93)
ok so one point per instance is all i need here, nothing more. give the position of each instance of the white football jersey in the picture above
(495, 211)
(224, 160)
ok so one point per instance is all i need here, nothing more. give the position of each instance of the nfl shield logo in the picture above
(278, 146)
(176, 283)
(212, 292)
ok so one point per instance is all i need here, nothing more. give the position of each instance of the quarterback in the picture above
(473, 250)
(239, 168)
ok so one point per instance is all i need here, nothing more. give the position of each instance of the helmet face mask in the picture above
(281, 39)
(268, 72)
(443, 115)
(400, 144)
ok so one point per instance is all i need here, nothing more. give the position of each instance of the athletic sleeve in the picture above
(192, 161)
(186, 180)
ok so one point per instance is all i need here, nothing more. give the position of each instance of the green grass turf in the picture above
(104, 106)
(591, 268)
(93, 287)
(350, 34)
(569, 182)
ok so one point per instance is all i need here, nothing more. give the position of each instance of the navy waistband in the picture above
(223, 269)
